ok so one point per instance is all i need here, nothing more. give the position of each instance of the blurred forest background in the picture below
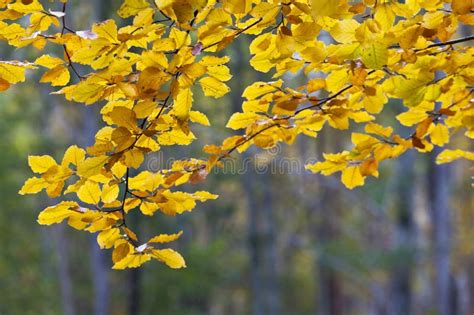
(277, 241)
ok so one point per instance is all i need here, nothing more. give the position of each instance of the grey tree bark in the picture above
(134, 291)
(405, 235)
(270, 252)
(254, 245)
(264, 287)
(438, 196)
(64, 274)
(53, 108)
(329, 298)
(253, 218)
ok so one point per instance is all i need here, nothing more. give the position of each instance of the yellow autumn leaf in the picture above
(258, 89)
(377, 129)
(124, 117)
(220, 72)
(411, 91)
(210, 61)
(351, 177)
(48, 61)
(170, 257)
(11, 31)
(165, 238)
(13, 72)
(57, 213)
(107, 238)
(107, 30)
(58, 76)
(183, 104)
(447, 156)
(89, 192)
(27, 6)
(121, 250)
(242, 120)
(131, 203)
(33, 185)
(146, 181)
(41, 164)
(385, 15)
(73, 155)
(462, 6)
(374, 103)
(109, 193)
(132, 260)
(374, 55)
(148, 208)
(91, 166)
(133, 158)
(204, 195)
(198, 117)
(369, 167)
(324, 7)
(409, 36)
(132, 7)
(175, 202)
(439, 135)
(238, 6)
(213, 87)
(316, 84)
(410, 118)
(344, 31)
(333, 163)
(179, 37)
(336, 80)
(123, 139)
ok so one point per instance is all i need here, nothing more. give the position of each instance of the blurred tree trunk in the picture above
(405, 236)
(254, 243)
(272, 290)
(329, 294)
(134, 291)
(64, 275)
(265, 291)
(98, 259)
(248, 182)
(329, 299)
(438, 197)
(264, 288)
(51, 128)
(325, 218)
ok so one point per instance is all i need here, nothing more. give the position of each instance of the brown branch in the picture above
(70, 64)
(450, 42)
(246, 140)
(228, 152)
(446, 43)
(68, 56)
(236, 34)
(124, 198)
(324, 100)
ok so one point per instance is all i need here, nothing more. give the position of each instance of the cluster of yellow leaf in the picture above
(360, 54)
(98, 189)
(370, 53)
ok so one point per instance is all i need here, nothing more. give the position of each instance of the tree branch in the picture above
(450, 42)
